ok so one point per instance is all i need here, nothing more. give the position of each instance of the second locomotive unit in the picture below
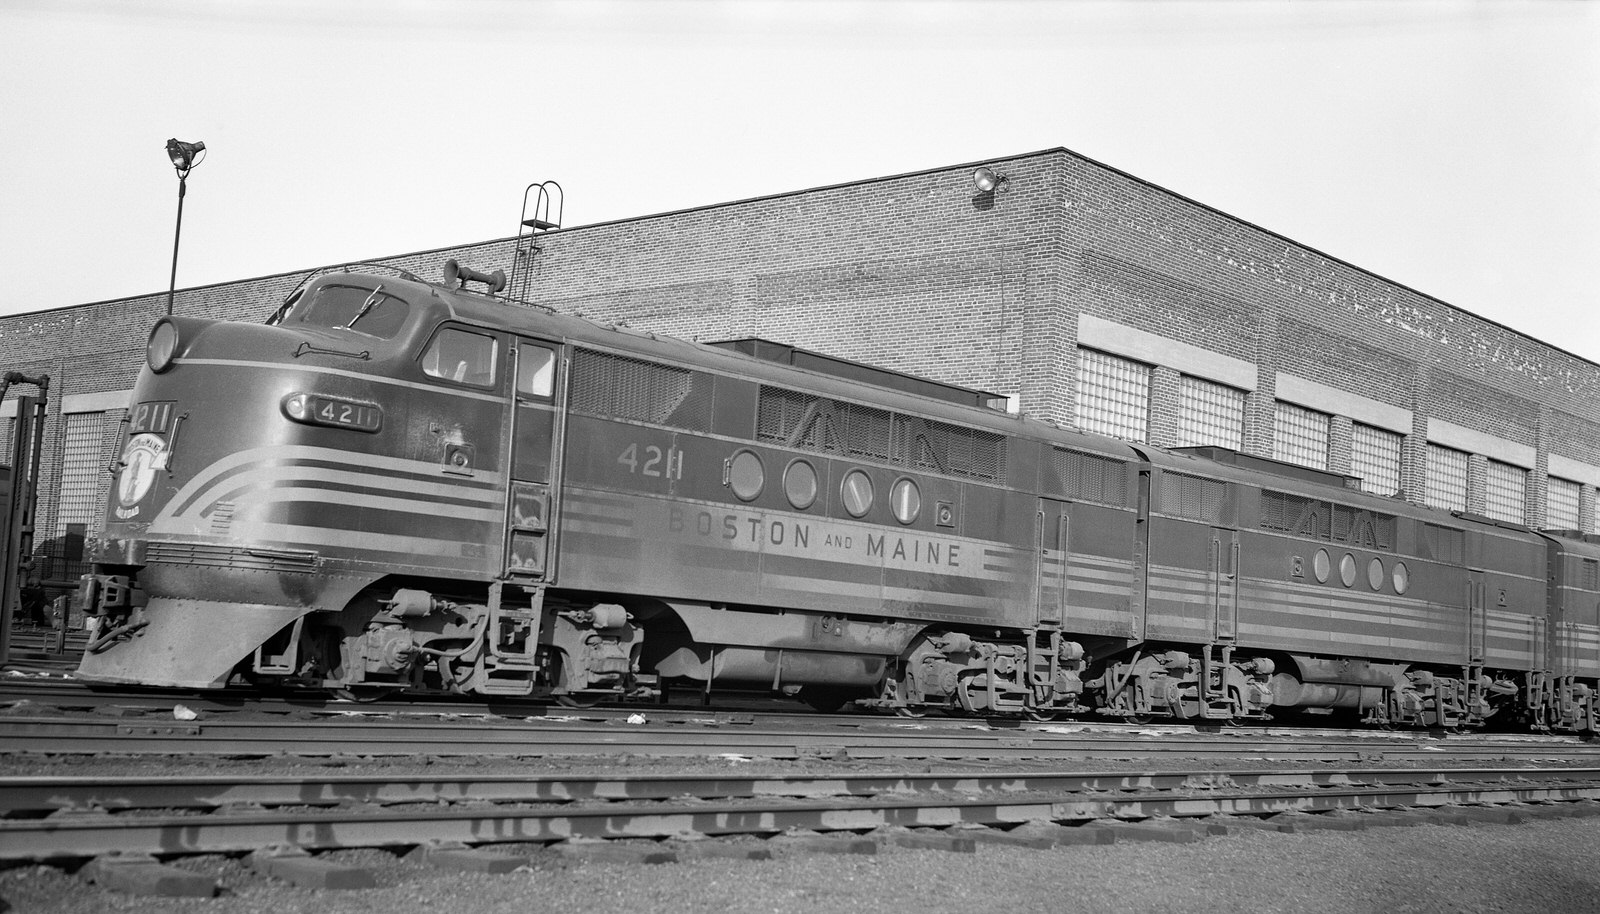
(396, 485)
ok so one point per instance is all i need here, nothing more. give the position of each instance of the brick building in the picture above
(1091, 297)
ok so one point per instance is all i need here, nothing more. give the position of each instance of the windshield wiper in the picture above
(368, 305)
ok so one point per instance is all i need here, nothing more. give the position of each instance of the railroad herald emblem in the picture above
(142, 458)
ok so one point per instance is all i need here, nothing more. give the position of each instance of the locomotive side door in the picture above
(537, 427)
(1477, 622)
(1050, 577)
(1224, 584)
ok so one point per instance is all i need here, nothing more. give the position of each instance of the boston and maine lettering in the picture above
(762, 531)
(912, 549)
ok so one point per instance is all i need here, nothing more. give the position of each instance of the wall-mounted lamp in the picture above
(987, 180)
(184, 156)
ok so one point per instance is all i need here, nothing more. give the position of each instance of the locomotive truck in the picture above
(393, 485)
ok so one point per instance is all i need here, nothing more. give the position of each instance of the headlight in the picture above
(334, 412)
(163, 346)
(296, 407)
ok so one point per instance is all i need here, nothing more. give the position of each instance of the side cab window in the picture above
(536, 372)
(462, 357)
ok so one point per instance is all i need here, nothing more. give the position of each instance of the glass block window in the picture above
(1505, 492)
(1113, 396)
(1375, 457)
(80, 469)
(1210, 413)
(1300, 436)
(83, 488)
(1562, 505)
(1447, 478)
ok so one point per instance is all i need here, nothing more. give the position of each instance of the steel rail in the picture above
(59, 693)
(55, 688)
(42, 795)
(146, 724)
(76, 835)
(487, 736)
(556, 736)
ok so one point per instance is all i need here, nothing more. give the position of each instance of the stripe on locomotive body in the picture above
(1509, 639)
(279, 368)
(377, 548)
(1379, 621)
(1578, 647)
(1099, 593)
(680, 547)
(729, 528)
(335, 472)
(411, 490)
(1283, 615)
(1088, 573)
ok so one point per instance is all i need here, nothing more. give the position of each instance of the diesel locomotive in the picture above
(396, 485)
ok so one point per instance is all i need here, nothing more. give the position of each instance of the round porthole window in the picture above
(1347, 570)
(746, 475)
(1322, 566)
(800, 484)
(1402, 577)
(856, 492)
(905, 500)
(1375, 574)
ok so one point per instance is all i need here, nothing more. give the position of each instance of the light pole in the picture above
(183, 159)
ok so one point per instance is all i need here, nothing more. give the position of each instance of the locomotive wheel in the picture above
(1040, 714)
(580, 700)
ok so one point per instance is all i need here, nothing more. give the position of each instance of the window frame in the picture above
(1207, 406)
(1290, 424)
(545, 373)
(1434, 459)
(1106, 408)
(493, 360)
(306, 305)
(1390, 458)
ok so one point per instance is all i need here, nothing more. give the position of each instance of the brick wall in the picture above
(920, 273)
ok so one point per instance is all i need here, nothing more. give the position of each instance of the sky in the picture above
(1453, 147)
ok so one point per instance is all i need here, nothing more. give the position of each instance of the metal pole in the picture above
(177, 233)
(9, 556)
(26, 444)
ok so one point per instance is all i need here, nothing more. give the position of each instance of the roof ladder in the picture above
(542, 204)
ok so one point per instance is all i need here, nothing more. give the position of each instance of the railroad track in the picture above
(39, 715)
(34, 652)
(664, 733)
(55, 688)
(495, 822)
(64, 819)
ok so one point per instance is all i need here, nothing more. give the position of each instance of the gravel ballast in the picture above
(1545, 866)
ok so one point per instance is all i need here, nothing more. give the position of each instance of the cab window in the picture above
(536, 371)
(462, 357)
(373, 312)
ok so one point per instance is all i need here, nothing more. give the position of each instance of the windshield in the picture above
(373, 312)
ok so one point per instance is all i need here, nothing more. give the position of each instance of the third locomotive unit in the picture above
(394, 485)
